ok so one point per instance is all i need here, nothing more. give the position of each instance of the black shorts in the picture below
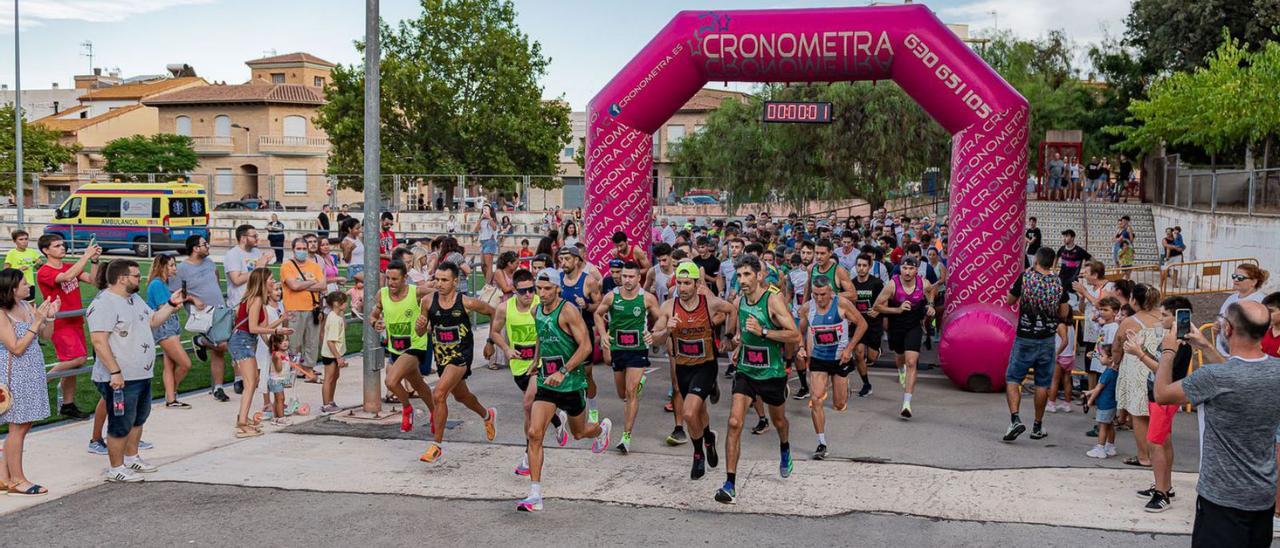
(328, 361)
(440, 367)
(830, 367)
(420, 354)
(906, 339)
(772, 392)
(522, 382)
(620, 360)
(572, 403)
(1217, 525)
(697, 380)
(874, 334)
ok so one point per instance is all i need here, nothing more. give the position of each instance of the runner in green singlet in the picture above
(396, 312)
(622, 320)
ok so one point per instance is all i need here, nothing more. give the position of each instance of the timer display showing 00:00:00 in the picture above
(788, 111)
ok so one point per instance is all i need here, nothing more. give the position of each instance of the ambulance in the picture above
(143, 217)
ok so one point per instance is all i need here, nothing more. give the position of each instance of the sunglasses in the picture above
(1239, 278)
(525, 290)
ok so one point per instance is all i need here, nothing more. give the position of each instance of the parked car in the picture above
(249, 205)
(699, 199)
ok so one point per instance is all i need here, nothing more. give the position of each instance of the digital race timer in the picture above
(797, 112)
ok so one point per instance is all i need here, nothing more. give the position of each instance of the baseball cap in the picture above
(687, 271)
(549, 275)
(571, 250)
(616, 263)
(541, 257)
(910, 261)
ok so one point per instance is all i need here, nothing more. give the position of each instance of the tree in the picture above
(460, 94)
(162, 154)
(1178, 35)
(41, 151)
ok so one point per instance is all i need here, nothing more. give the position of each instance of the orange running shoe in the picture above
(490, 426)
(433, 454)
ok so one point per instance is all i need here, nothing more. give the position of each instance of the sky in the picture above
(216, 37)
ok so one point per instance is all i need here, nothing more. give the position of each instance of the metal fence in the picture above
(1248, 191)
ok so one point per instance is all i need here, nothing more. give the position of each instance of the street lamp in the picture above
(246, 136)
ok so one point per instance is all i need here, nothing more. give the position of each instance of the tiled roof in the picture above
(243, 93)
(710, 99)
(139, 91)
(56, 122)
(297, 57)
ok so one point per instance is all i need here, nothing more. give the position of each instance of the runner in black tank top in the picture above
(448, 321)
(907, 308)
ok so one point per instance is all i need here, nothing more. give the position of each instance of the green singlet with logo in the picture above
(627, 321)
(760, 358)
(522, 336)
(399, 317)
(557, 347)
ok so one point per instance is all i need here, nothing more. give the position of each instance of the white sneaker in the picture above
(1051, 407)
(1111, 450)
(1064, 406)
(138, 465)
(1097, 452)
(122, 475)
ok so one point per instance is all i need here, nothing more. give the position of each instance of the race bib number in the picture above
(755, 356)
(448, 335)
(862, 306)
(525, 351)
(799, 299)
(628, 338)
(826, 336)
(691, 349)
(400, 344)
(552, 365)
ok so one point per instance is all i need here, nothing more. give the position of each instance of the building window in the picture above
(295, 129)
(568, 152)
(295, 182)
(277, 78)
(675, 134)
(222, 183)
(222, 126)
(318, 81)
(182, 125)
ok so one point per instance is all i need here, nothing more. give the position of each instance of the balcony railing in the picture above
(293, 146)
(211, 145)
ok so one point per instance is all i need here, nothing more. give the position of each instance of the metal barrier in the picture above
(1201, 277)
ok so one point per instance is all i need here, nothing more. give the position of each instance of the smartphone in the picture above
(1182, 322)
(184, 289)
(93, 240)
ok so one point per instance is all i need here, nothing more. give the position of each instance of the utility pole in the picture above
(88, 52)
(17, 111)
(372, 174)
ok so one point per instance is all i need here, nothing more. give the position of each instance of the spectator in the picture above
(275, 236)
(1123, 234)
(1056, 172)
(1034, 240)
(199, 276)
(1131, 388)
(251, 323)
(120, 325)
(439, 206)
(24, 259)
(1042, 303)
(487, 234)
(353, 249)
(1071, 258)
(571, 236)
(1247, 281)
(1271, 341)
(505, 228)
(241, 260)
(386, 242)
(322, 222)
(304, 284)
(1170, 249)
(176, 361)
(333, 348)
(329, 264)
(1238, 417)
(344, 213)
(22, 371)
(1073, 176)
(61, 281)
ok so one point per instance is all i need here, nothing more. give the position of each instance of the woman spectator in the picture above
(1247, 281)
(570, 234)
(329, 263)
(487, 232)
(506, 229)
(176, 361)
(22, 371)
(251, 323)
(352, 250)
(502, 279)
(275, 237)
(549, 245)
(452, 252)
(939, 268)
(1131, 386)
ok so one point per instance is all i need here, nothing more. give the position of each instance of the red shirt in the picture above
(386, 242)
(1271, 343)
(525, 261)
(895, 256)
(68, 291)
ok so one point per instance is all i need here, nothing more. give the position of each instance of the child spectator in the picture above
(24, 259)
(1065, 344)
(333, 347)
(263, 352)
(279, 346)
(1101, 359)
(1103, 398)
(1125, 254)
(525, 254)
(355, 296)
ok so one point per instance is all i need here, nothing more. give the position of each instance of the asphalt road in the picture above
(213, 515)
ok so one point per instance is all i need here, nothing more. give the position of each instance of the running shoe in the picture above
(522, 470)
(761, 426)
(1038, 433)
(801, 394)
(1051, 407)
(138, 465)
(1064, 407)
(1159, 502)
(866, 391)
(1097, 452)
(406, 419)
(709, 446)
(906, 410)
(699, 467)
(97, 447)
(433, 454)
(330, 408)
(821, 452)
(238, 386)
(197, 343)
(729, 371)
(490, 426)
(1093, 432)
(530, 504)
(902, 377)
(562, 431)
(219, 395)
(1111, 450)
(785, 465)
(593, 416)
(145, 445)
(1146, 493)
(727, 494)
(1015, 429)
(640, 387)
(122, 475)
(70, 411)
(624, 446)
(677, 437)
(601, 442)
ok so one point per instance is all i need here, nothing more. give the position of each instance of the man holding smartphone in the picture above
(59, 279)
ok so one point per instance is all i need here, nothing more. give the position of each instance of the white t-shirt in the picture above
(1092, 327)
(239, 260)
(1106, 336)
(1070, 350)
(127, 321)
(1256, 297)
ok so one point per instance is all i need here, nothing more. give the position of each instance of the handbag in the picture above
(221, 328)
(6, 395)
(199, 320)
(491, 294)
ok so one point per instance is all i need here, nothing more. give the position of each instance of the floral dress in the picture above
(28, 382)
(1131, 387)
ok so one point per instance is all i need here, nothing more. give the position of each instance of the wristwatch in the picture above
(764, 332)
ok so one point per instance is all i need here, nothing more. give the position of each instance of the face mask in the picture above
(300, 255)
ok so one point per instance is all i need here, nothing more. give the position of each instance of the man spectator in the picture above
(1042, 302)
(1093, 174)
(240, 261)
(199, 276)
(1056, 170)
(322, 222)
(1071, 259)
(668, 235)
(60, 280)
(304, 286)
(1124, 171)
(1239, 414)
(1034, 239)
(386, 239)
(344, 213)
(120, 324)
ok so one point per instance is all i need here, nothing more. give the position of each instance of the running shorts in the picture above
(874, 334)
(830, 367)
(906, 339)
(572, 403)
(621, 360)
(697, 380)
(772, 391)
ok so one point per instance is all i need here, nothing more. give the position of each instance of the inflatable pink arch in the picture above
(908, 44)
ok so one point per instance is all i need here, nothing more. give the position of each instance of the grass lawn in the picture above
(86, 394)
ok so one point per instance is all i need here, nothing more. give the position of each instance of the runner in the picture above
(825, 265)
(690, 326)
(764, 325)
(866, 289)
(628, 253)
(514, 332)
(904, 300)
(395, 312)
(825, 336)
(563, 349)
(448, 321)
(661, 283)
(584, 292)
(622, 319)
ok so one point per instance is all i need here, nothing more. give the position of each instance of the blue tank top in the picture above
(572, 292)
(827, 330)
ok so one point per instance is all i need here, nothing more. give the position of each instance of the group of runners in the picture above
(734, 292)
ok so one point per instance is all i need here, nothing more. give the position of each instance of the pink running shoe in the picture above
(562, 431)
(601, 444)
(406, 419)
